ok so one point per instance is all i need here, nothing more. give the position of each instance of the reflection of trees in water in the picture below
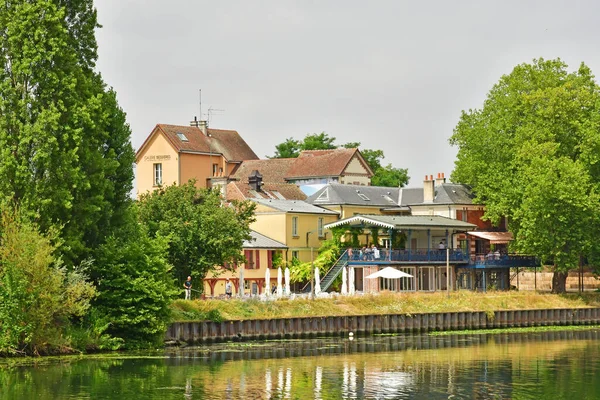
(543, 365)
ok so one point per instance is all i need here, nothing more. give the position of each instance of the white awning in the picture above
(389, 273)
(494, 237)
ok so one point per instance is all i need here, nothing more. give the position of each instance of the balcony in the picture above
(501, 261)
(416, 256)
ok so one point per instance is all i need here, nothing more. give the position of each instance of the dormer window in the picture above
(182, 137)
(324, 196)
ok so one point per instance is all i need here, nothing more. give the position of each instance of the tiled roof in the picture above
(315, 163)
(281, 191)
(336, 193)
(260, 241)
(296, 206)
(446, 193)
(228, 143)
(273, 170)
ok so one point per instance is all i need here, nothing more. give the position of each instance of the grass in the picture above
(384, 303)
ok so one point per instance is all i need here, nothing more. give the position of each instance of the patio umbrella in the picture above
(389, 273)
(287, 281)
(351, 287)
(279, 286)
(317, 281)
(344, 279)
(268, 282)
(241, 287)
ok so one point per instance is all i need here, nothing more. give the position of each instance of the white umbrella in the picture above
(389, 273)
(344, 279)
(287, 281)
(317, 281)
(351, 287)
(279, 286)
(268, 282)
(241, 287)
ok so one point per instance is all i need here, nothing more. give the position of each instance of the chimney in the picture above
(203, 127)
(440, 179)
(428, 189)
(255, 180)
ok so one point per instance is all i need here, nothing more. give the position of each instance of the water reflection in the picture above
(557, 365)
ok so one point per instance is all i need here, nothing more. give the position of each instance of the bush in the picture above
(38, 296)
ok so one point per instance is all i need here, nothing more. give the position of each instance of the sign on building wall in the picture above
(157, 158)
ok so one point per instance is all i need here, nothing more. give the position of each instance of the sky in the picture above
(393, 75)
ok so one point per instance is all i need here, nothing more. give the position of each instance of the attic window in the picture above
(278, 195)
(323, 196)
(182, 137)
(388, 199)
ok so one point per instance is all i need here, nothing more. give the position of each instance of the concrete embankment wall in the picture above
(208, 331)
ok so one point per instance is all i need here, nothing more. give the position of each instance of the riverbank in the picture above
(380, 304)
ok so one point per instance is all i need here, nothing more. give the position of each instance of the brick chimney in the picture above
(203, 125)
(440, 179)
(428, 189)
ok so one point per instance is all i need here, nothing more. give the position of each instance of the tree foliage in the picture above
(203, 233)
(135, 287)
(388, 175)
(38, 296)
(66, 158)
(531, 154)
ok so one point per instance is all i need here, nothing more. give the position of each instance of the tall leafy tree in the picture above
(203, 233)
(65, 152)
(383, 175)
(531, 154)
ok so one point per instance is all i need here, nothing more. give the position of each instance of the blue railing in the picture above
(415, 255)
(493, 260)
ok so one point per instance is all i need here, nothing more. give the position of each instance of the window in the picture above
(320, 227)
(294, 254)
(215, 168)
(294, 226)
(249, 259)
(362, 195)
(157, 174)
(182, 137)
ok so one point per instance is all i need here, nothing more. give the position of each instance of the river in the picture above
(545, 365)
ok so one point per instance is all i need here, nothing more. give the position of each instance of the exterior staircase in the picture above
(330, 276)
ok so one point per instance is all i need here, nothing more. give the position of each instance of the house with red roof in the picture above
(174, 154)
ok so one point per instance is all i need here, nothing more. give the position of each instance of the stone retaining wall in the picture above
(208, 331)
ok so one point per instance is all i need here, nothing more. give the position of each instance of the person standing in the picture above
(188, 288)
(228, 288)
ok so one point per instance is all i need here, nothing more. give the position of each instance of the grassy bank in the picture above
(384, 303)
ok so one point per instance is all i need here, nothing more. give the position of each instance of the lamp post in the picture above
(312, 267)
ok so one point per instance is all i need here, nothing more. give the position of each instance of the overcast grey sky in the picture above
(393, 75)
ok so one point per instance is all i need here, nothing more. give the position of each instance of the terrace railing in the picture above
(407, 256)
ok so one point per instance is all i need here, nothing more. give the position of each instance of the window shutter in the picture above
(270, 258)
(257, 259)
(248, 256)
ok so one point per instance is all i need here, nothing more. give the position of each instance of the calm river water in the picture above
(548, 365)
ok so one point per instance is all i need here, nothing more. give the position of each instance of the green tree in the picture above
(531, 155)
(64, 144)
(203, 233)
(135, 287)
(388, 176)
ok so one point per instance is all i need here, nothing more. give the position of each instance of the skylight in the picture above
(362, 195)
(182, 137)
(324, 196)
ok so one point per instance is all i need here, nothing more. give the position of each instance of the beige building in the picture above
(174, 154)
(295, 223)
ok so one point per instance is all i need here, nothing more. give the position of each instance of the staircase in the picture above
(330, 276)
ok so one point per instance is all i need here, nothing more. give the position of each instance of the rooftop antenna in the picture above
(211, 110)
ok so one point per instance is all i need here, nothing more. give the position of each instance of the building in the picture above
(261, 253)
(296, 224)
(174, 154)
